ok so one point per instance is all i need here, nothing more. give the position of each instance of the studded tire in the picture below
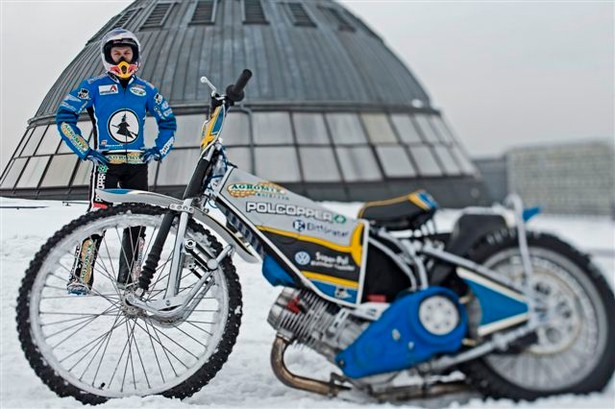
(44, 368)
(494, 375)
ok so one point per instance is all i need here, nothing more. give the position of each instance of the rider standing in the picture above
(117, 103)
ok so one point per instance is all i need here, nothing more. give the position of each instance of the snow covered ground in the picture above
(246, 381)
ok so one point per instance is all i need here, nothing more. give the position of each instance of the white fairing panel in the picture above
(325, 249)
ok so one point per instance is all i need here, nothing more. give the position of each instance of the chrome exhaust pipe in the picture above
(295, 381)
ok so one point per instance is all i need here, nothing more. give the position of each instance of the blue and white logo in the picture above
(304, 226)
(302, 258)
(299, 225)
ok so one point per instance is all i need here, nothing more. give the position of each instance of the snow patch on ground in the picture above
(246, 380)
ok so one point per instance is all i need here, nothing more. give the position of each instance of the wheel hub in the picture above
(563, 324)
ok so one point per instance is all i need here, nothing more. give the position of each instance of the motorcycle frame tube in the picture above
(482, 271)
(516, 203)
(139, 196)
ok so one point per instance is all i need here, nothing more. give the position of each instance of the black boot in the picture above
(131, 257)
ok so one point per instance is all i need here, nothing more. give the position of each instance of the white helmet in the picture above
(116, 38)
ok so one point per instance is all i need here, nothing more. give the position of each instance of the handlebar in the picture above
(234, 92)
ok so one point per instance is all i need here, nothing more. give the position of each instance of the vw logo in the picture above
(302, 258)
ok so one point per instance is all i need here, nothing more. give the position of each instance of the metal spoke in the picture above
(104, 340)
(154, 350)
(79, 317)
(119, 360)
(176, 343)
(566, 348)
(130, 334)
(141, 362)
(202, 322)
(83, 345)
(82, 316)
(113, 274)
(96, 342)
(104, 346)
(116, 324)
(191, 337)
(158, 333)
(73, 333)
(196, 326)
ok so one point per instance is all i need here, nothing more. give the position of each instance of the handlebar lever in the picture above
(205, 80)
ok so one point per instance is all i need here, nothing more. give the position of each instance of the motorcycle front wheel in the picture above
(573, 352)
(97, 346)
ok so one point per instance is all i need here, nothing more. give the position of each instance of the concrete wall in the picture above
(574, 178)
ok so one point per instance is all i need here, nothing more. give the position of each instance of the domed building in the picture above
(331, 112)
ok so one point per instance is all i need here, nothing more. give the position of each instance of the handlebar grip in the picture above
(234, 92)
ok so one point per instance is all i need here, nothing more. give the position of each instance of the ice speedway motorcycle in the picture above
(398, 309)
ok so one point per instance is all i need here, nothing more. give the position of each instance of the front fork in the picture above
(178, 249)
(173, 305)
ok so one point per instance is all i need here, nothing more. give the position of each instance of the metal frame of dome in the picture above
(331, 112)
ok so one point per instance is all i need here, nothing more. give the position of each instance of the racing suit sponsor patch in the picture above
(123, 126)
(67, 106)
(138, 91)
(132, 158)
(167, 147)
(69, 97)
(84, 93)
(76, 139)
(107, 89)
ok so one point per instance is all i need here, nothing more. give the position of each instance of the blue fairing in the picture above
(531, 212)
(275, 274)
(496, 306)
(345, 294)
(376, 351)
(118, 191)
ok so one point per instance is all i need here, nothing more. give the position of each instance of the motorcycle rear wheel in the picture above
(96, 347)
(574, 353)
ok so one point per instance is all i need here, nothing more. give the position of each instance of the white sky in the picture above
(505, 73)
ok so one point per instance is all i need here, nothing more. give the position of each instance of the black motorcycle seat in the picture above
(407, 212)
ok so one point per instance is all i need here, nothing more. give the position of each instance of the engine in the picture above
(303, 317)
(414, 328)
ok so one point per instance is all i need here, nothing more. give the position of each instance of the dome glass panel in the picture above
(406, 129)
(346, 129)
(272, 128)
(426, 128)
(319, 165)
(425, 160)
(31, 175)
(13, 173)
(378, 128)
(310, 129)
(35, 139)
(277, 164)
(358, 163)
(395, 161)
(59, 171)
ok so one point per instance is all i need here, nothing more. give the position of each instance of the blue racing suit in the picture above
(118, 113)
